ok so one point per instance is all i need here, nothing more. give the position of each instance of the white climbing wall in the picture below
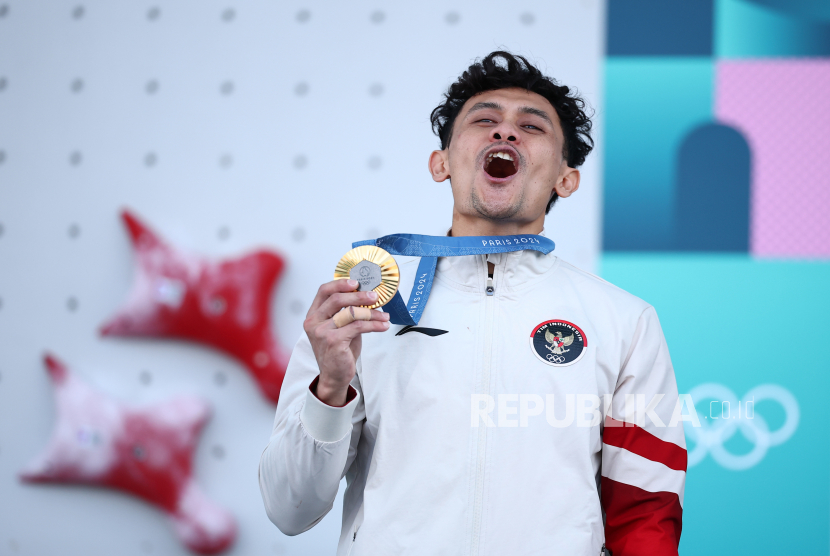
(298, 126)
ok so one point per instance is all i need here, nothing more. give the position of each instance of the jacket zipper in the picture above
(481, 451)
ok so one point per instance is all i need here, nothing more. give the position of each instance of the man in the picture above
(474, 441)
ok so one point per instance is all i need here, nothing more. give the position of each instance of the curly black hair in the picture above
(515, 71)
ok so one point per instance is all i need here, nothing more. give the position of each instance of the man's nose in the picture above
(505, 131)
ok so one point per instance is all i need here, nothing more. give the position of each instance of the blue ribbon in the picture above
(429, 248)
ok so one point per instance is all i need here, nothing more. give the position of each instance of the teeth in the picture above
(505, 156)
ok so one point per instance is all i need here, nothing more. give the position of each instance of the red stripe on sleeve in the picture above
(639, 522)
(641, 442)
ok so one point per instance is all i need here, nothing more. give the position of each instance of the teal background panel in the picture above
(660, 27)
(741, 323)
(810, 9)
(651, 104)
(746, 29)
(712, 191)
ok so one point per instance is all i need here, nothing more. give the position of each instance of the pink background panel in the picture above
(783, 109)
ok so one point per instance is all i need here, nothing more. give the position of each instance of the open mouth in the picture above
(500, 165)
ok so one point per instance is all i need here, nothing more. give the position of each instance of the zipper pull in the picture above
(490, 289)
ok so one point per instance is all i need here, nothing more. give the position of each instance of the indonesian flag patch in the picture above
(558, 342)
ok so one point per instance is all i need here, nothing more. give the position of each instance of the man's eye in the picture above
(533, 127)
(486, 120)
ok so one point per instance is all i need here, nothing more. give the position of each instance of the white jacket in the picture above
(446, 448)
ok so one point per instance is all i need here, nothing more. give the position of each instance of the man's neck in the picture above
(462, 226)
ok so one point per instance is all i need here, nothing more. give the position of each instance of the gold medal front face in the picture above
(374, 267)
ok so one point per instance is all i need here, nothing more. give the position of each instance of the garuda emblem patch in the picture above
(558, 342)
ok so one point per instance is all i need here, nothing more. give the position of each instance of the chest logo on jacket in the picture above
(422, 330)
(558, 342)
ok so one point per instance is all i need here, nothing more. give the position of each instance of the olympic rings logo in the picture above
(555, 358)
(713, 433)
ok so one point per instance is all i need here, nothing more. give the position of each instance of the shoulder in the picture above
(592, 289)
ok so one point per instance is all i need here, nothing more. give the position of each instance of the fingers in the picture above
(337, 301)
(350, 314)
(345, 316)
(352, 330)
(326, 334)
(333, 296)
(330, 288)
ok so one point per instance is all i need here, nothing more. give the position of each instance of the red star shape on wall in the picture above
(222, 304)
(147, 452)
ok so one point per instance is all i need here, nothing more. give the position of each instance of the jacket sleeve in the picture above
(311, 447)
(644, 450)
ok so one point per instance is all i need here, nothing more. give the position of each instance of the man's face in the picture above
(505, 159)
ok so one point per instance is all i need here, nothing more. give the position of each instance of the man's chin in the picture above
(495, 210)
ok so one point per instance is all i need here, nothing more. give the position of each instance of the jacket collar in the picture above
(512, 270)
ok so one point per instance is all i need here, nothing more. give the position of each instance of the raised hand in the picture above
(337, 349)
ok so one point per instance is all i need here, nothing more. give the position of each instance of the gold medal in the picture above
(374, 269)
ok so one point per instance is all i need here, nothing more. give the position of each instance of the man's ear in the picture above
(439, 165)
(568, 182)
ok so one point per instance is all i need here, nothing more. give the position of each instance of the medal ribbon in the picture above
(429, 248)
